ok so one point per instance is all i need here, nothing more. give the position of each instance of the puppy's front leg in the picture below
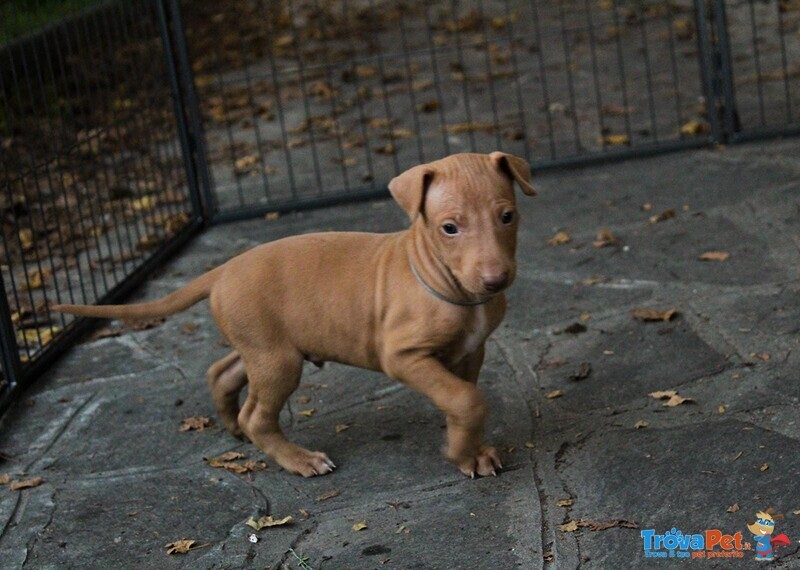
(464, 408)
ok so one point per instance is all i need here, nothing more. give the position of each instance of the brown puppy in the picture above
(417, 305)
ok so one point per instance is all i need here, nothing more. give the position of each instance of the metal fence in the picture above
(127, 125)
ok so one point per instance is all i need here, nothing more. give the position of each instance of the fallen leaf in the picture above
(229, 456)
(360, 526)
(329, 495)
(303, 399)
(734, 508)
(272, 216)
(715, 256)
(529, 444)
(4, 479)
(183, 546)
(677, 400)
(762, 355)
(695, 127)
(665, 215)
(797, 512)
(559, 239)
(554, 394)
(662, 394)
(605, 238)
(307, 413)
(721, 409)
(762, 469)
(614, 140)
(564, 502)
(265, 522)
(641, 424)
(341, 427)
(604, 525)
(650, 315)
(571, 526)
(195, 424)
(27, 483)
(583, 372)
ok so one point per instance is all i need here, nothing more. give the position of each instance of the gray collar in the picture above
(438, 295)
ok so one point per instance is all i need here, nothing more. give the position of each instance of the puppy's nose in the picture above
(495, 282)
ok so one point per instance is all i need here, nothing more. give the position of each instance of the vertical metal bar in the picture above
(784, 63)
(180, 117)
(9, 351)
(198, 139)
(707, 70)
(726, 69)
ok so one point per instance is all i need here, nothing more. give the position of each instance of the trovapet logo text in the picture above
(712, 543)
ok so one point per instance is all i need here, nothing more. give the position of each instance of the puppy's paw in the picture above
(486, 462)
(307, 463)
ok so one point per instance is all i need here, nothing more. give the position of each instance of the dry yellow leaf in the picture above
(564, 502)
(695, 128)
(662, 394)
(560, 239)
(734, 508)
(721, 409)
(665, 215)
(272, 216)
(529, 444)
(307, 413)
(654, 315)
(641, 424)
(360, 526)
(195, 424)
(554, 394)
(302, 399)
(183, 546)
(34, 281)
(605, 238)
(26, 238)
(715, 256)
(571, 526)
(144, 203)
(341, 427)
(614, 140)
(265, 522)
(677, 400)
(26, 484)
(763, 468)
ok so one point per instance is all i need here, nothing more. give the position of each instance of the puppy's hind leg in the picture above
(273, 377)
(226, 378)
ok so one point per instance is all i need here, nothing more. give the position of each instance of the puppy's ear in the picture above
(409, 189)
(515, 168)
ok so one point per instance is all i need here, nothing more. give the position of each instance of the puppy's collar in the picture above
(440, 296)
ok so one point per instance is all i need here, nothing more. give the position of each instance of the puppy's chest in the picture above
(471, 335)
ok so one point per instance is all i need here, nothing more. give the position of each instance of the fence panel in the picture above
(306, 100)
(760, 55)
(94, 188)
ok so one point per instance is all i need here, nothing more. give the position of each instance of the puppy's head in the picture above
(464, 207)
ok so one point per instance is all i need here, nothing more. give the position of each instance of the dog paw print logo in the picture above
(762, 529)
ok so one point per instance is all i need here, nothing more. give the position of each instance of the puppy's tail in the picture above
(181, 299)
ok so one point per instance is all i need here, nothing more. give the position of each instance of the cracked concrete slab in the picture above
(120, 480)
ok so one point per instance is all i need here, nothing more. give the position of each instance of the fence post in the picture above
(9, 351)
(709, 70)
(188, 139)
(728, 101)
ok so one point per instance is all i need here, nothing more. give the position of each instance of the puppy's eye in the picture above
(450, 228)
(507, 217)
